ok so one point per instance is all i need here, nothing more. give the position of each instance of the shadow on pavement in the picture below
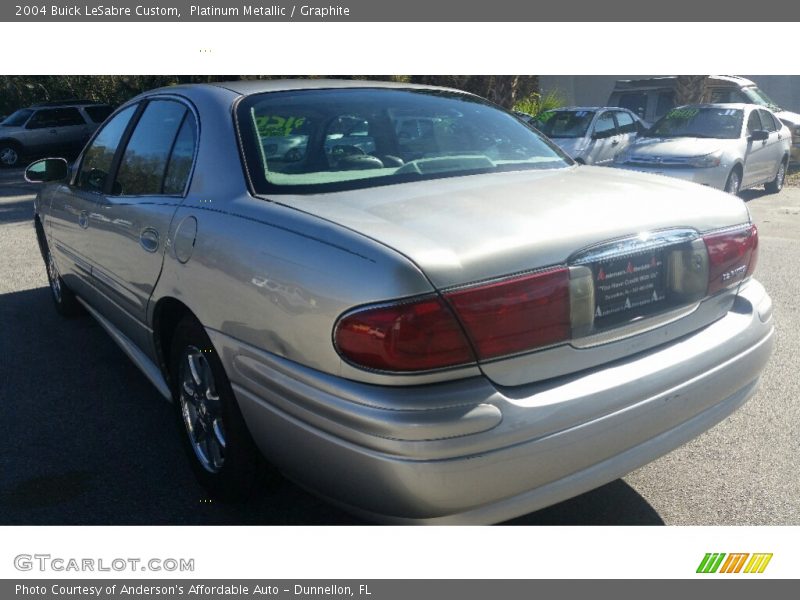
(87, 440)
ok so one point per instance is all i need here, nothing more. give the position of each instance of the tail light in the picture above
(411, 336)
(515, 314)
(732, 256)
(499, 318)
(522, 313)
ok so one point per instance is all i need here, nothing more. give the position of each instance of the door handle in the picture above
(53, 131)
(83, 220)
(148, 239)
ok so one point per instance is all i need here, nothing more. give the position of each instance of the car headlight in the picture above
(705, 161)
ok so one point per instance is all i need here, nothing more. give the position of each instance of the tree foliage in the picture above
(24, 90)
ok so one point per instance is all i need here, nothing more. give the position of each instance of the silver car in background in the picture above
(591, 135)
(454, 324)
(730, 147)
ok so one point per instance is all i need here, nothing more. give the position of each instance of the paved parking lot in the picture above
(85, 439)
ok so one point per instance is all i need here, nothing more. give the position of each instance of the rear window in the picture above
(99, 113)
(310, 141)
(636, 102)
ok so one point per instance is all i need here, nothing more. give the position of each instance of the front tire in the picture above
(734, 182)
(222, 453)
(10, 154)
(776, 185)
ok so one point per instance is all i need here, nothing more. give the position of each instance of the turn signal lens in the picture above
(412, 336)
(732, 256)
(516, 314)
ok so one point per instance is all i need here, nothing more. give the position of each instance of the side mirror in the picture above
(759, 135)
(47, 169)
(601, 135)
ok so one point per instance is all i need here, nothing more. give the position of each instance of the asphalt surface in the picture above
(85, 439)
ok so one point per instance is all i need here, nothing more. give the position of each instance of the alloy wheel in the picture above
(201, 409)
(8, 156)
(53, 276)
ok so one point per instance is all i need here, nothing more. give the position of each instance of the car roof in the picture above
(257, 86)
(56, 104)
(658, 82)
(587, 108)
(737, 105)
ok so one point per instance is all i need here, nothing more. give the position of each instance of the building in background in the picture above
(593, 90)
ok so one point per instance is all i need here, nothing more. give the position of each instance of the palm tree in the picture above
(690, 89)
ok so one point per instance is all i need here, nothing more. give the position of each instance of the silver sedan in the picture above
(591, 135)
(426, 313)
(730, 147)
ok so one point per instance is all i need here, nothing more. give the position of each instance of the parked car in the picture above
(59, 128)
(651, 98)
(461, 329)
(727, 146)
(592, 135)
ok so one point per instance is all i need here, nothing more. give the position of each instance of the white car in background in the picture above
(590, 135)
(727, 146)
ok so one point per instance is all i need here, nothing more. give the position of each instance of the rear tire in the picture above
(776, 185)
(223, 455)
(64, 299)
(734, 182)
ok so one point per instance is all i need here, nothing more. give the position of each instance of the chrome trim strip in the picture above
(641, 325)
(139, 358)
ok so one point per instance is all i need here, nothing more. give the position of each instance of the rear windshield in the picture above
(693, 121)
(310, 141)
(564, 123)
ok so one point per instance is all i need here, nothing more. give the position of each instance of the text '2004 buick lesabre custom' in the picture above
(402, 296)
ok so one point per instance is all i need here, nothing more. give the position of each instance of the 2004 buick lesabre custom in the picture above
(420, 308)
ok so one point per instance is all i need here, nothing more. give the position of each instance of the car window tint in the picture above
(634, 102)
(100, 153)
(767, 121)
(604, 125)
(753, 122)
(180, 161)
(142, 169)
(99, 113)
(664, 102)
(56, 117)
(626, 123)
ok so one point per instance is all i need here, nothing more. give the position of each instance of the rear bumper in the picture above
(470, 452)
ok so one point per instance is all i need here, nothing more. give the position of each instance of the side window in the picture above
(144, 164)
(753, 122)
(604, 126)
(56, 117)
(180, 161)
(664, 102)
(99, 155)
(636, 102)
(767, 121)
(626, 123)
